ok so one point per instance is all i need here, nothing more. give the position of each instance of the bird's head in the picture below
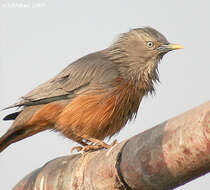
(148, 43)
(139, 52)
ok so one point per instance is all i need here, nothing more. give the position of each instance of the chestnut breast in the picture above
(100, 114)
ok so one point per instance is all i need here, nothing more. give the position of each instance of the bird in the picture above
(94, 97)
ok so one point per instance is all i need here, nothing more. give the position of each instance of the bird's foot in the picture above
(86, 148)
(93, 147)
(101, 143)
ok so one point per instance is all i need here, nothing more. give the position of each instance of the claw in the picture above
(77, 148)
(114, 143)
(86, 148)
(101, 143)
(98, 145)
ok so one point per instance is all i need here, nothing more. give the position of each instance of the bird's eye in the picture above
(150, 44)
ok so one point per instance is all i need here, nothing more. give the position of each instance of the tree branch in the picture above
(164, 157)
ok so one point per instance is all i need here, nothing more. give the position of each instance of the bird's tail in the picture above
(29, 121)
(13, 135)
(19, 129)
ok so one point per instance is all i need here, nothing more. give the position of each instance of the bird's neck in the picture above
(143, 74)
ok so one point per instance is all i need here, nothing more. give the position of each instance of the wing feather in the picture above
(93, 71)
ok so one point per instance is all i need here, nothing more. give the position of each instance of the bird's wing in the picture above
(89, 72)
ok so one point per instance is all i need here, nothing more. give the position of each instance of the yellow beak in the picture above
(175, 46)
(169, 47)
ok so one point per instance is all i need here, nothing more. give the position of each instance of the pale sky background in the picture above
(38, 38)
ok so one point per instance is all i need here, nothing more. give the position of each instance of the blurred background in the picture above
(38, 38)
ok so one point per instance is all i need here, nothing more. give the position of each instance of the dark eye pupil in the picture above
(149, 44)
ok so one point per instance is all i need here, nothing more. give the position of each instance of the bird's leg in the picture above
(101, 143)
(96, 145)
(79, 148)
(89, 147)
(86, 147)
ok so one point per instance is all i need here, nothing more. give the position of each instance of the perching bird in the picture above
(95, 96)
